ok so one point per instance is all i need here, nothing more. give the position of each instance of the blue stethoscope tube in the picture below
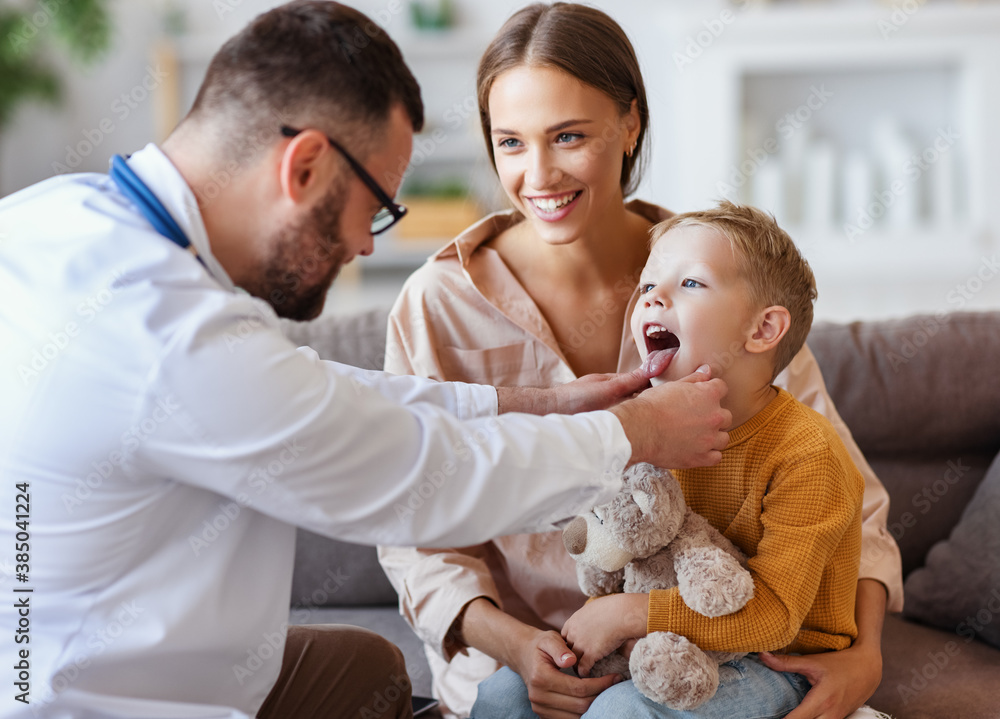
(149, 204)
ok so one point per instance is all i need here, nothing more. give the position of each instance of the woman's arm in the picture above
(842, 681)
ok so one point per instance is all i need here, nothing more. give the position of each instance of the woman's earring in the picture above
(629, 151)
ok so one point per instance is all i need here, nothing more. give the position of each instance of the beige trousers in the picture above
(336, 670)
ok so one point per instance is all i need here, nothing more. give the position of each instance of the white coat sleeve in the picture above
(357, 455)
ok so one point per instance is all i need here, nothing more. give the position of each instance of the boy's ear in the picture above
(771, 325)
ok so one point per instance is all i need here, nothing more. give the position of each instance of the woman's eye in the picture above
(508, 143)
(643, 289)
(568, 137)
(691, 283)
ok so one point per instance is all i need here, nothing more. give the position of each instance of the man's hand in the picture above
(678, 424)
(553, 694)
(598, 391)
(585, 394)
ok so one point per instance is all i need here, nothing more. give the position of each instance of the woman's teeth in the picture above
(551, 204)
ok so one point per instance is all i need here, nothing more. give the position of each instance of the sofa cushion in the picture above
(928, 495)
(959, 588)
(929, 674)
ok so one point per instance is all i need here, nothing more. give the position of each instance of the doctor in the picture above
(160, 439)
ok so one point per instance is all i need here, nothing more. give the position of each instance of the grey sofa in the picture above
(918, 393)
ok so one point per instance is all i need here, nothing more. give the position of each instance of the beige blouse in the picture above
(464, 316)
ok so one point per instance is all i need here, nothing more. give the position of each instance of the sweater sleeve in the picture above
(812, 502)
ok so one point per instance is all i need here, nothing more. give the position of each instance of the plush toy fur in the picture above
(648, 538)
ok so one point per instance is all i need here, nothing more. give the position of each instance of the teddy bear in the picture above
(647, 538)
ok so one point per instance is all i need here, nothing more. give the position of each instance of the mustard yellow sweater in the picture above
(789, 496)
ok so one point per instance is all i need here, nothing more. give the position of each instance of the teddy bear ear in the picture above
(644, 500)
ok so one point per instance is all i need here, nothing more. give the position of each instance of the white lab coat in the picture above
(171, 439)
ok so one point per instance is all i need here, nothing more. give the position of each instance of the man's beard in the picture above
(299, 250)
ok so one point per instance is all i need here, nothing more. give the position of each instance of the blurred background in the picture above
(869, 128)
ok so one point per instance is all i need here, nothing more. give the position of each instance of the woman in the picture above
(539, 295)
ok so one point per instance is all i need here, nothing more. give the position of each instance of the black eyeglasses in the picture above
(390, 213)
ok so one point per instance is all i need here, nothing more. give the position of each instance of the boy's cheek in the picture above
(640, 341)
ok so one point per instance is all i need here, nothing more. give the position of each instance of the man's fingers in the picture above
(632, 382)
(702, 374)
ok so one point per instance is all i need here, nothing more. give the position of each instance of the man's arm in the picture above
(372, 458)
(677, 424)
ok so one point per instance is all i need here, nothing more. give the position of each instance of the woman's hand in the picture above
(602, 625)
(553, 694)
(841, 681)
(538, 656)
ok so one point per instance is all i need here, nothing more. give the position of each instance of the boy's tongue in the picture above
(657, 361)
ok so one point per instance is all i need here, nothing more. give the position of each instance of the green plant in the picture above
(427, 15)
(26, 32)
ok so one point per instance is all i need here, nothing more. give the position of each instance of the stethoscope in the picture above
(149, 205)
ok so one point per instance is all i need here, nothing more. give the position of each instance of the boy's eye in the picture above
(691, 283)
(643, 289)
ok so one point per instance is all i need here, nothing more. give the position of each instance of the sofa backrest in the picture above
(922, 398)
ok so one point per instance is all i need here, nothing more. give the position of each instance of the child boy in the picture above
(728, 288)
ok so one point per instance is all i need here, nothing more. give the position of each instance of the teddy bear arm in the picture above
(710, 579)
(596, 582)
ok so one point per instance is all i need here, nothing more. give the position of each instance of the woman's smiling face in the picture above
(558, 145)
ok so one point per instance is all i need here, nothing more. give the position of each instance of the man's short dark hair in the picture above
(308, 63)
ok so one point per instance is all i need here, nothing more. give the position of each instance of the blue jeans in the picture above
(747, 690)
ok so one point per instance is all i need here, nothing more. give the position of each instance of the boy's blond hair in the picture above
(775, 271)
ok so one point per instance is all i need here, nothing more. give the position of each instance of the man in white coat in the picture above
(146, 398)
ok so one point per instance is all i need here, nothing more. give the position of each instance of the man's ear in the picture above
(304, 169)
(771, 325)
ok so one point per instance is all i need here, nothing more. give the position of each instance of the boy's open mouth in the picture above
(661, 346)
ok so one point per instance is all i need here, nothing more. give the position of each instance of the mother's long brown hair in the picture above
(578, 40)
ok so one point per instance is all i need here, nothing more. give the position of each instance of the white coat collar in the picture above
(166, 182)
